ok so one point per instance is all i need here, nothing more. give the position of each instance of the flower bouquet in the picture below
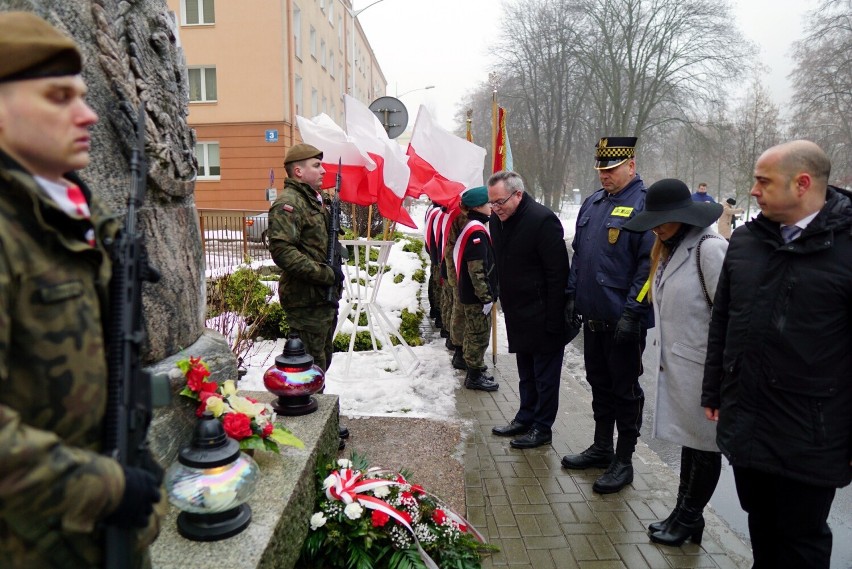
(374, 518)
(245, 420)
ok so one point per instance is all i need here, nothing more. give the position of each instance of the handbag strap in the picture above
(700, 272)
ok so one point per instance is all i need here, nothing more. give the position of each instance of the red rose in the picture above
(237, 425)
(379, 519)
(196, 373)
(209, 387)
(439, 517)
(418, 488)
(267, 430)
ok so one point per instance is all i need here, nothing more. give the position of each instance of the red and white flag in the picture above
(325, 134)
(442, 164)
(389, 180)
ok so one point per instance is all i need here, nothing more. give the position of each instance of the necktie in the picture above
(790, 232)
(76, 197)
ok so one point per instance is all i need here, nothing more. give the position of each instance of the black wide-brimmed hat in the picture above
(612, 151)
(668, 201)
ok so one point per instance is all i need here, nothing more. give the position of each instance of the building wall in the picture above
(252, 45)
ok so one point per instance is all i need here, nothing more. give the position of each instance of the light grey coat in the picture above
(683, 318)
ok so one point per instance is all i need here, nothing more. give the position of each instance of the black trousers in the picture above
(538, 387)
(613, 371)
(786, 520)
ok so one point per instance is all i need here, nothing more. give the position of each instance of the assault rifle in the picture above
(129, 388)
(333, 255)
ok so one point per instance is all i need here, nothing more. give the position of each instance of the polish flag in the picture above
(325, 134)
(389, 180)
(442, 164)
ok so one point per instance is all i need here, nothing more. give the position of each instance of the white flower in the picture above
(381, 491)
(328, 482)
(317, 521)
(344, 463)
(353, 511)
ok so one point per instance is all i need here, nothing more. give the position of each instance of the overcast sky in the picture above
(445, 43)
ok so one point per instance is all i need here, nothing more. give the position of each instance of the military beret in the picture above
(302, 152)
(475, 197)
(34, 49)
(611, 151)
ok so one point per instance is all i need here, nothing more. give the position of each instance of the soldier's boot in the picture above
(620, 472)
(689, 522)
(599, 455)
(448, 343)
(476, 379)
(458, 359)
(439, 323)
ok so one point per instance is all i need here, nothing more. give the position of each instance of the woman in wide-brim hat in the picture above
(686, 261)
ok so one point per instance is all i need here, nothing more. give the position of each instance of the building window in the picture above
(324, 105)
(297, 31)
(314, 103)
(313, 42)
(342, 80)
(331, 12)
(322, 54)
(322, 5)
(207, 154)
(331, 63)
(202, 84)
(340, 32)
(197, 12)
(298, 95)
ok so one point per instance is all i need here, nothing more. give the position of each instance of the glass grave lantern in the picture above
(294, 379)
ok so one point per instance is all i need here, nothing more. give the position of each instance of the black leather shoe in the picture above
(343, 432)
(663, 525)
(477, 380)
(680, 529)
(592, 457)
(513, 429)
(534, 438)
(617, 476)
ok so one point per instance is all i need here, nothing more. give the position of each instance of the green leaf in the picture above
(187, 392)
(283, 437)
(253, 442)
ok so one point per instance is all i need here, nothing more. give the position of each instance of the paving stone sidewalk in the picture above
(543, 516)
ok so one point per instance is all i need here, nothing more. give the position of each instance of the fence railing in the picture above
(232, 236)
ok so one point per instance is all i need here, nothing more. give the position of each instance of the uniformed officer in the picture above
(607, 286)
(455, 325)
(56, 488)
(476, 271)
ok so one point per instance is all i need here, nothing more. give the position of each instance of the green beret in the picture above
(33, 49)
(475, 197)
(302, 152)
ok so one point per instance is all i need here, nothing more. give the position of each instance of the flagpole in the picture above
(492, 77)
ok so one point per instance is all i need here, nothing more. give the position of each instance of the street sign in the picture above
(271, 194)
(272, 135)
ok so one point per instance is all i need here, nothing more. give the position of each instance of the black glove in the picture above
(628, 329)
(338, 274)
(569, 311)
(141, 492)
(573, 322)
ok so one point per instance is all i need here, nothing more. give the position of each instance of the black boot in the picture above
(599, 455)
(689, 523)
(458, 359)
(617, 476)
(448, 343)
(685, 473)
(438, 322)
(476, 379)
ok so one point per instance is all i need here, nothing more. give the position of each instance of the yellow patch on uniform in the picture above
(287, 207)
(612, 235)
(622, 211)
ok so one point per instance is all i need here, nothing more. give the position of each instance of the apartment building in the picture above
(253, 65)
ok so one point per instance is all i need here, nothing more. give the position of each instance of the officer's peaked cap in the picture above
(612, 151)
(33, 49)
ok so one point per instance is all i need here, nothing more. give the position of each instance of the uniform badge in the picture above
(476, 240)
(287, 207)
(612, 235)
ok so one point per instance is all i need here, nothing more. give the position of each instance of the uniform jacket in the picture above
(532, 267)
(54, 484)
(682, 319)
(779, 352)
(610, 265)
(478, 277)
(457, 221)
(298, 243)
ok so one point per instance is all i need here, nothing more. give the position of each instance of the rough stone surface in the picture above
(281, 505)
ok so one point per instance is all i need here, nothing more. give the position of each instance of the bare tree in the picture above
(822, 83)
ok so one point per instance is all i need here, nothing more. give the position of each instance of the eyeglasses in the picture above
(500, 203)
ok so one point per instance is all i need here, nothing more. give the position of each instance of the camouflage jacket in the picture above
(54, 486)
(298, 242)
(452, 235)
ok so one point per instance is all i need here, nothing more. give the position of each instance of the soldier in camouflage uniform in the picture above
(455, 324)
(55, 486)
(473, 259)
(309, 289)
